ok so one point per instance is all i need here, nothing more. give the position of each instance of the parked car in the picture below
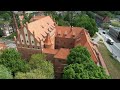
(103, 32)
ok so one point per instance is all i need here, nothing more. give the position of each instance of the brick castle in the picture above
(43, 35)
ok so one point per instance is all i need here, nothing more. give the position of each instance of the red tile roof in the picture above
(41, 27)
(62, 53)
(69, 30)
(50, 51)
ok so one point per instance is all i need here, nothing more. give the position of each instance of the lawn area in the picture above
(113, 65)
(115, 23)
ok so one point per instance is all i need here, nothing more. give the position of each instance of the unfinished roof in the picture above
(62, 53)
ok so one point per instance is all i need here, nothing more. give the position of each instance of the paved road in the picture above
(115, 48)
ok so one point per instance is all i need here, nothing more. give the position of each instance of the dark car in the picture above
(103, 32)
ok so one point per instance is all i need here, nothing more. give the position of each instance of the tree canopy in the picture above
(11, 59)
(4, 73)
(84, 71)
(88, 23)
(81, 66)
(40, 68)
(78, 54)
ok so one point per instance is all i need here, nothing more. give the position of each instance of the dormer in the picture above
(59, 33)
(73, 34)
(65, 33)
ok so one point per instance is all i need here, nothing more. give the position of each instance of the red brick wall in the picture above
(26, 53)
(64, 42)
(58, 67)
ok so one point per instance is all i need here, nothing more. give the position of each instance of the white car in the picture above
(110, 41)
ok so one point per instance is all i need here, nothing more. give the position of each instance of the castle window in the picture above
(26, 34)
(22, 40)
(28, 46)
(33, 47)
(27, 41)
(32, 41)
(38, 48)
(23, 45)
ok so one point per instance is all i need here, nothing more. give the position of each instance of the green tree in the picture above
(85, 21)
(33, 74)
(84, 71)
(78, 54)
(80, 66)
(11, 59)
(39, 61)
(4, 73)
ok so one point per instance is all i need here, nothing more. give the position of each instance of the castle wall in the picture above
(61, 42)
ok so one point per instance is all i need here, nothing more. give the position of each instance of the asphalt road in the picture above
(115, 47)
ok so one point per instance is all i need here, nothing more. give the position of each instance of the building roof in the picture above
(62, 53)
(50, 51)
(69, 31)
(41, 27)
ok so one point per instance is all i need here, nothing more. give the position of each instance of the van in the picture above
(110, 41)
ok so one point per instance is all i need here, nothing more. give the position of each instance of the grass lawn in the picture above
(115, 23)
(113, 65)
